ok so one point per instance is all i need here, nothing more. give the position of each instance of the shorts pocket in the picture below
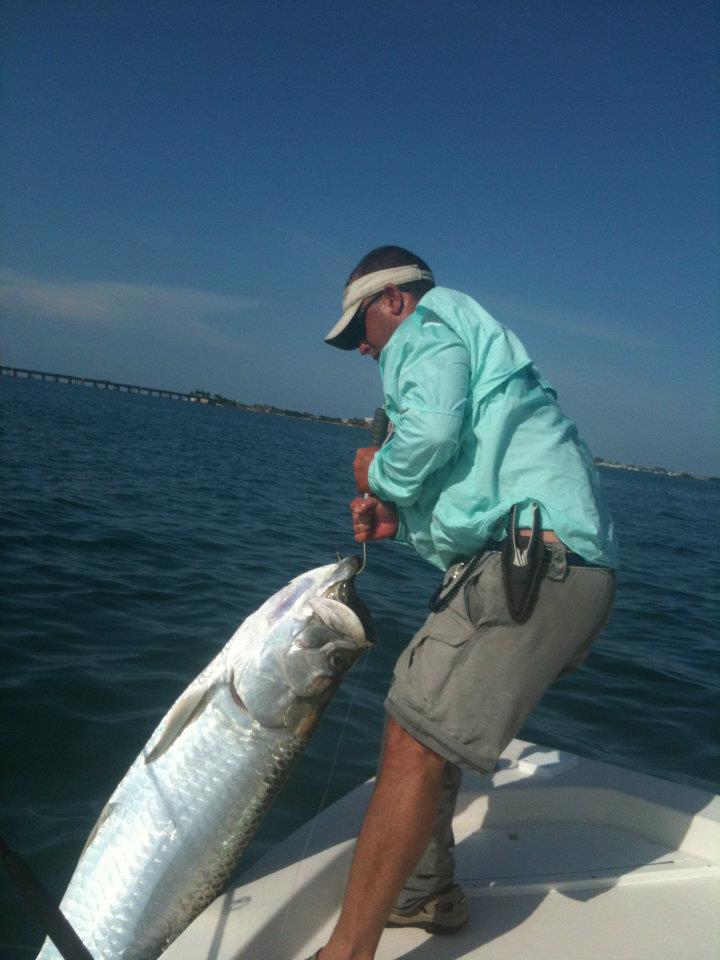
(440, 650)
(450, 626)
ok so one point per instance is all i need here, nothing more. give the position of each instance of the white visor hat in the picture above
(346, 334)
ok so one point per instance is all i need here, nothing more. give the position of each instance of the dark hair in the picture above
(382, 258)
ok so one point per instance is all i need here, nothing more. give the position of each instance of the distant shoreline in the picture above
(215, 399)
(658, 471)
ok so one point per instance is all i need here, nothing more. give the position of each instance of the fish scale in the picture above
(174, 828)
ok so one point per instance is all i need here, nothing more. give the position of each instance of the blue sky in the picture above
(186, 186)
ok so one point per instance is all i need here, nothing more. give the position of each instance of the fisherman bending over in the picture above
(489, 481)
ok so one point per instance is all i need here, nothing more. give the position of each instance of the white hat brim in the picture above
(364, 287)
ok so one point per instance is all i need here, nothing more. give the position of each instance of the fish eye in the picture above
(337, 660)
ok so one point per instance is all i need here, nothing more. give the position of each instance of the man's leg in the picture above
(434, 870)
(394, 834)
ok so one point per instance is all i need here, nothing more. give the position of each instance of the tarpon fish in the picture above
(176, 825)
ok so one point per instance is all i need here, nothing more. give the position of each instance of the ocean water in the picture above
(137, 533)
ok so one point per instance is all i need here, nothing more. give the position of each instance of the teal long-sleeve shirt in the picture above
(477, 429)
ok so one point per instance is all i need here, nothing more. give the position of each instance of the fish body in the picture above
(175, 826)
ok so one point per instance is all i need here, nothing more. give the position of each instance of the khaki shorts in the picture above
(470, 676)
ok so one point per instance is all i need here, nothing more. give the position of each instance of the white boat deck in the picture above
(560, 857)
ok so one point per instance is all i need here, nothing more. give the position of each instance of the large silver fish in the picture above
(175, 826)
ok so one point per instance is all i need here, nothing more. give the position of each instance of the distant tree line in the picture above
(660, 471)
(218, 400)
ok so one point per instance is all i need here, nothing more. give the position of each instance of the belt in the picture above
(495, 546)
(448, 589)
(549, 536)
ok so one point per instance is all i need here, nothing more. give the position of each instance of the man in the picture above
(487, 479)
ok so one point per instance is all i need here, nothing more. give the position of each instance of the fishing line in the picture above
(378, 436)
(323, 799)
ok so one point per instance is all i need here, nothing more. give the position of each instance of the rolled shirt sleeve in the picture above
(427, 412)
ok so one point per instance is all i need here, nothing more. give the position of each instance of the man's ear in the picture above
(394, 299)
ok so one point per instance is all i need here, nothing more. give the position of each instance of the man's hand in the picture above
(373, 519)
(361, 465)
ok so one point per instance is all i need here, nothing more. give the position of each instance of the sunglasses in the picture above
(362, 313)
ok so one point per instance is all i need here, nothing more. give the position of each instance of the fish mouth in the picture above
(343, 590)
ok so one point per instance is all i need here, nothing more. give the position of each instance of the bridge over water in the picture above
(99, 384)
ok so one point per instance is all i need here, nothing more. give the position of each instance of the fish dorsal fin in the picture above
(181, 714)
(107, 812)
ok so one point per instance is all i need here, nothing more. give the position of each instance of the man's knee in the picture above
(404, 754)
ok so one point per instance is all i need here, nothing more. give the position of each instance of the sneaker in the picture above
(446, 912)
